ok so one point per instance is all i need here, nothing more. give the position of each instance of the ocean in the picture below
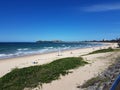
(10, 50)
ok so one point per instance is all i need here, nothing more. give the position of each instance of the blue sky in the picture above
(68, 20)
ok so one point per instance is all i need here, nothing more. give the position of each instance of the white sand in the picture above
(68, 82)
(81, 74)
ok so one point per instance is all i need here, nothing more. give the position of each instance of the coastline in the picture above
(6, 65)
(28, 51)
(72, 49)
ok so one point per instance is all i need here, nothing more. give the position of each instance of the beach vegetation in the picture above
(102, 51)
(93, 81)
(31, 77)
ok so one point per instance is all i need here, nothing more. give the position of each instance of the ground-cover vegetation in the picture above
(32, 76)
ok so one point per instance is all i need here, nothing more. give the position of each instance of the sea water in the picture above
(10, 50)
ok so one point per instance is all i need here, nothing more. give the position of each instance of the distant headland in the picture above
(117, 40)
(52, 41)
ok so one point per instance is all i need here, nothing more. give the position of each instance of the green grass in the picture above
(105, 50)
(93, 81)
(30, 77)
(102, 51)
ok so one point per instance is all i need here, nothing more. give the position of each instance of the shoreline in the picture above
(20, 62)
(47, 52)
(104, 44)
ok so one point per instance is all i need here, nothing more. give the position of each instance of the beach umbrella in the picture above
(59, 52)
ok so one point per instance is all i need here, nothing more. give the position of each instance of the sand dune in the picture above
(68, 82)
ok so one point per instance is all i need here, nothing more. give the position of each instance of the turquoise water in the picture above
(9, 50)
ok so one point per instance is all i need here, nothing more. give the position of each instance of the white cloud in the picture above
(102, 7)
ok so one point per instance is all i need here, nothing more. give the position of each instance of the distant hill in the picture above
(54, 41)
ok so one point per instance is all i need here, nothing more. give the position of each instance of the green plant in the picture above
(102, 51)
(94, 80)
(32, 76)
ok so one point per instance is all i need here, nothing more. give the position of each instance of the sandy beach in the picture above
(68, 82)
(59, 44)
